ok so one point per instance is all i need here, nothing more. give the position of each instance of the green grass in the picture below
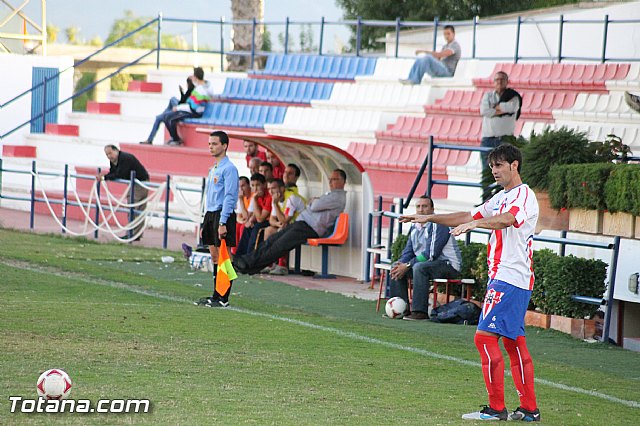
(121, 324)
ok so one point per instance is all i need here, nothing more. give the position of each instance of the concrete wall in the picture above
(15, 74)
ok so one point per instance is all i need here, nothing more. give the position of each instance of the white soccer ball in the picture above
(395, 307)
(54, 384)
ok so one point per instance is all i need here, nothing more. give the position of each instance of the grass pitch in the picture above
(122, 325)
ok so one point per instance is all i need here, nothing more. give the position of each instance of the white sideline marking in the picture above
(336, 331)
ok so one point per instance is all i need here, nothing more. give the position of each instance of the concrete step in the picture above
(62, 129)
(103, 108)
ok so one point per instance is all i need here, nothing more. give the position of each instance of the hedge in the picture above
(622, 189)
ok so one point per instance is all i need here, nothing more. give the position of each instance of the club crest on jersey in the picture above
(491, 299)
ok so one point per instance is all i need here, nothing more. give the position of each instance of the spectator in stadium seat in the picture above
(286, 208)
(431, 252)
(278, 167)
(266, 170)
(314, 221)
(220, 219)
(193, 108)
(173, 102)
(251, 150)
(121, 165)
(259, 211)
(500, 108)
(436, 64)
(254, 165)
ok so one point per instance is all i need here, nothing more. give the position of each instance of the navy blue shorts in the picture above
(504, 308)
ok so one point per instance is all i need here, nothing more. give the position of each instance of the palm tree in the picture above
(241, 34)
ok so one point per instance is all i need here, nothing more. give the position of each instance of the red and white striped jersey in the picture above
(510, 251)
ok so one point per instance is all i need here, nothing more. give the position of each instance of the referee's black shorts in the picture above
(209, 228)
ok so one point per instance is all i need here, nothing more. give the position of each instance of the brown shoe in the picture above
(416, 316)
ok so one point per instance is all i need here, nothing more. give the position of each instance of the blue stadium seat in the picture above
(239, 115)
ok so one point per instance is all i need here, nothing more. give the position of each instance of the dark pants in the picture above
(423, 273)
(248, 239)
(276, 246)
(161, 117)
(139, 194)
(172, 119)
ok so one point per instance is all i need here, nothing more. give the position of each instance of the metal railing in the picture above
(66, 201)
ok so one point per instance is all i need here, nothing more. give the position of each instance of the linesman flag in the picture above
(226, 273)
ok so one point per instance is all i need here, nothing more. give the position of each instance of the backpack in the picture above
(460, 311)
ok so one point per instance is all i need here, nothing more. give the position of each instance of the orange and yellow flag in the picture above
(226, 273)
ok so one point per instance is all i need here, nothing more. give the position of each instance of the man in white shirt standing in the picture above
(500, 108)
(511, 215)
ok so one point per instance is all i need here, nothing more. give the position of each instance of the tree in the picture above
(427, 10)
(52, 33)
(72, 33)
(242, 34)
(305, 40)
(145, 38)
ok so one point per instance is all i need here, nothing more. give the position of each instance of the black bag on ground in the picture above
(456, 312)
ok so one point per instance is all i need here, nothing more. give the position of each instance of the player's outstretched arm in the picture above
(500, 221)
(449, 219)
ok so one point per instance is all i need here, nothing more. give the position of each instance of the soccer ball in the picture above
(54, 384)
(395, 307)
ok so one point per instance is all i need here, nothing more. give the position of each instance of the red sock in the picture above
(522, 371)
(282, 261)
(492, 369)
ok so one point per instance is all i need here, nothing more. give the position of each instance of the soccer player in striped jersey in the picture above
(511, 215)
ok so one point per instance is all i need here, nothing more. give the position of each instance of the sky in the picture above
(94, 17)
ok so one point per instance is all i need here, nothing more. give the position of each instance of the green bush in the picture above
(541, 261)
(480, 271)
(585, 185)
(399, 242)
(622, 189)
(563, 277)
(562, 146)
(558, 187)
(469, 254)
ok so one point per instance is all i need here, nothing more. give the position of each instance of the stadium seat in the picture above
(337, 238)
(316, 67)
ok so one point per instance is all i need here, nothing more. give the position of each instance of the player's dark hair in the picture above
(245, 179)
(450, 27)
(506, 152)
(224, 138)
(113, 147)
(258, 177)
(295, 168)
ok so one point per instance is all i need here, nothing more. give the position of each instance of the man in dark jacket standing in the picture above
(122, 164)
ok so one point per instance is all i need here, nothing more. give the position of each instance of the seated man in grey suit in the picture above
(431, 252)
